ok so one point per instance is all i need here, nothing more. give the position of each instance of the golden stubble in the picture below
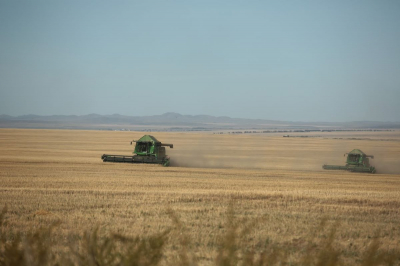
(49, 175)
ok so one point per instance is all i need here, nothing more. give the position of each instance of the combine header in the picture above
(357, 161)
(147, 150)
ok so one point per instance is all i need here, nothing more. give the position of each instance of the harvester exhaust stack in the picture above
(147, 150)
(357, 161)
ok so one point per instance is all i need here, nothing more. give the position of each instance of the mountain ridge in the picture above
(170, 120)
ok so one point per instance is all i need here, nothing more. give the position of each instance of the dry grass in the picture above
(277, 187)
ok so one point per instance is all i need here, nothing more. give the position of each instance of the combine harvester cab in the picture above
(357, 161)
(147, 150)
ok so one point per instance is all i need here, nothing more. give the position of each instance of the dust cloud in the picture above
(209, 153)
(201, 160)
(385, 167)
(277, 154)
(385, 162)
(219, 152)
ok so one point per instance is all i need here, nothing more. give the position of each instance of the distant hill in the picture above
(173, 121)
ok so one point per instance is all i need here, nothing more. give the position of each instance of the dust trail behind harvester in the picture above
(386, 161)
(386, 166)
(248, 152)
(209, 152)
(276, 153)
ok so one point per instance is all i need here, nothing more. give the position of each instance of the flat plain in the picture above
(50, 175)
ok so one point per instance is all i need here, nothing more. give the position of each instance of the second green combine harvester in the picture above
(357, 161)
(147, 150)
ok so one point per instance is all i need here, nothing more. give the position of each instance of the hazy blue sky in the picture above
(281, 60)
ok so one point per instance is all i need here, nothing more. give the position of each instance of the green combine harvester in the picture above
(147, 150)
(357, 161)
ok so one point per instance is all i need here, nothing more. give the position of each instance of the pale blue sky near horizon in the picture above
(280, 60)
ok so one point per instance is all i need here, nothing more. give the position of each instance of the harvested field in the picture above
(51, 175)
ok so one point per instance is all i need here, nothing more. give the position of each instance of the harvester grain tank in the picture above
(357, 161)
(147, 150)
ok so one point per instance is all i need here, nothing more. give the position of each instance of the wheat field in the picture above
(273, 187)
